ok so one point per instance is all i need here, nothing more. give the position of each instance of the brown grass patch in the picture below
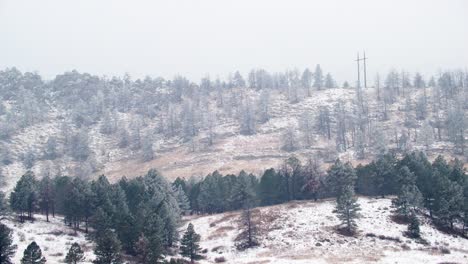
(226, 217)
(220, 232)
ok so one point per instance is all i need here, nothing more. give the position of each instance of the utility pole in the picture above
(358, 72)
(365, 70)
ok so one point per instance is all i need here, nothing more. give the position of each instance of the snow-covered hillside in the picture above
(54, 238)
(230, 152)
(304, 232)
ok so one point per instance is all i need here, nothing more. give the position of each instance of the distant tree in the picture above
(289, 140)
(409, 197)
(249, 231)
(340, 177)
(323, 122)
(50, 148)
(318, 78)
(24, 197)
(247, 119)
(108, 124)
(147, 148)
(190, 247)
(182, 200)
(29, 158)
(108, 248)
(243, 192)
(3, 204)
(426, 135)
(33, 255)
(271, 188)
(413, 227)
(264, 106)
(7, 248)
(46, 195)
(78, 146)
(421, 108)
(306, 126)
(418, 81)
(75, 255)
(329, 81)
(142, 249)
(313, 176)
(124, 138)
(347, 208)
(238, 80)
(306, 80)
(346, 85)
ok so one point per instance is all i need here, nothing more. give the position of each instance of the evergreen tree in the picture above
(3, 204)
(318, 78)
(108, 248)
(24, 197)
(243, 192)
(271, 189)
(75, 254)
(190, 247)
(46, 195)
(413, 227)
(248, 236)
(154, 232)
(182, 199)
(341, 177)
(33, 255)
(409, 197)
(142, 249)
(347, 208)
(7, 249)
(329, 81)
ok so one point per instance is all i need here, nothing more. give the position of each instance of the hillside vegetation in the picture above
(83, 125)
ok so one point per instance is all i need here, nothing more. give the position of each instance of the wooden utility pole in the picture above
(358, 72)
(365, 70)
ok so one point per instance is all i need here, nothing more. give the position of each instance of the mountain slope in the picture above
(304, 232)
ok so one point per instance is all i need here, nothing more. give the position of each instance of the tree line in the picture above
(140, 217)
(440, 187)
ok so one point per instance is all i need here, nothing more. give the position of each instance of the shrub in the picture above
(220, 259)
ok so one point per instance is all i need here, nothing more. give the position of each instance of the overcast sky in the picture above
(199, 37)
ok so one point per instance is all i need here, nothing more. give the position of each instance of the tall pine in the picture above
(190, 246)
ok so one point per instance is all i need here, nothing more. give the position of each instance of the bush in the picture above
(220, 259)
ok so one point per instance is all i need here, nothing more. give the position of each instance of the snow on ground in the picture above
(54, 238)
(230, 153)
(304, 232)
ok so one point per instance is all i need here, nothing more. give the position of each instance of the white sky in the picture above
(199, 37)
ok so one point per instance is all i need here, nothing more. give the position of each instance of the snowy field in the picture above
(54, 238)
(304, 232)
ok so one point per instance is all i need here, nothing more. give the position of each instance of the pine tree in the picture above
(409, 197)
(248, 236)
(347, 208)
(24, 197)
(33, 255)
(182, 199)
(341, 176)
(75, 254)
(154, 231)
(7, 249)
(243, 192)
(190, 247)
(142, 249)
(413, 227)
(108, 248)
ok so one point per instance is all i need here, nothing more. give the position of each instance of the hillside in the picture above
(295, 232)
(83, 125)
(304, 232)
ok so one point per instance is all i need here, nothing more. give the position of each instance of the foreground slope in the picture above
(54, 238)
(304, 232)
